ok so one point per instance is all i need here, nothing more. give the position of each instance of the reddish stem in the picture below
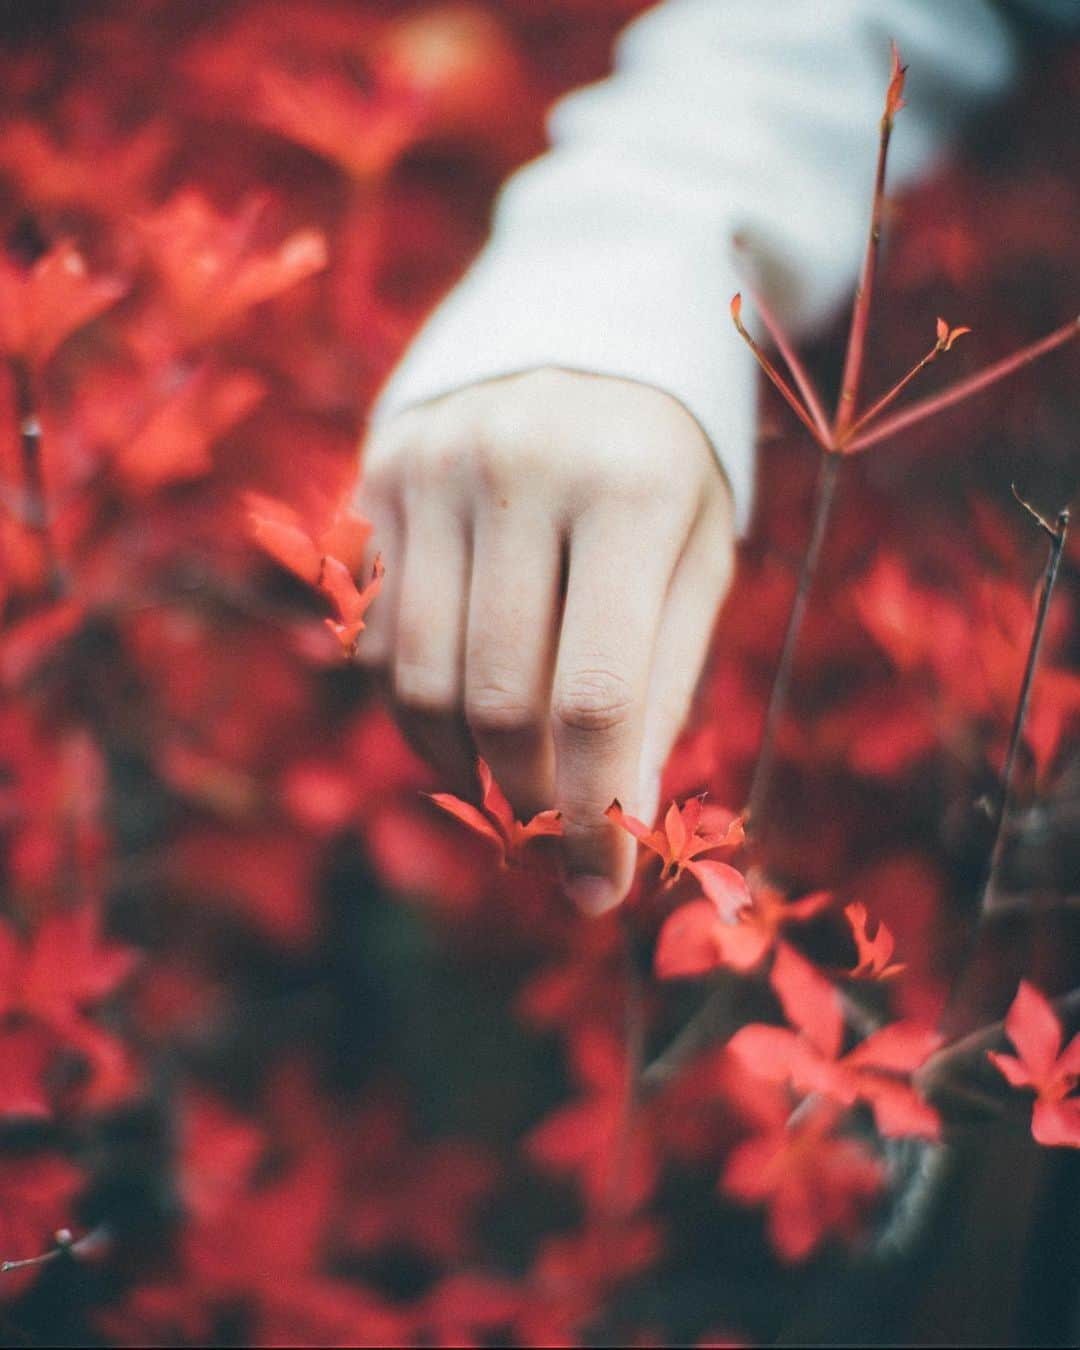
(963, 389)
(801, 375)
(897, 389)
(1057, 534)
(860, 315)
(790, 397)
(824, 497)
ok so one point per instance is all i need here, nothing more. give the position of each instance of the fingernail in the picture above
(593, 895)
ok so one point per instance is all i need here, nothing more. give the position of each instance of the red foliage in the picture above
(495, 820)
(687, 832)
(218, 231)
(813, 1183)
(874, 953)
(698, 937)
(1045, 1064)
(810, 1058)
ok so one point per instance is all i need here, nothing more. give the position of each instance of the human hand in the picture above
(557, 546)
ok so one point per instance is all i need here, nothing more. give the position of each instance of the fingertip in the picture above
(593, 895)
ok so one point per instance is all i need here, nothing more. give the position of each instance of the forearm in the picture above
(612, 253)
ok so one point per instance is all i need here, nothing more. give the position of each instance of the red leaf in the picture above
(899, 1111)
(1015, 1071)
(494, 800)
(723, 885)
(813, 1183)
(41, 307)
(337, 584)
(688, 945)
(496, 821)
(743, 945)
(1057, 1124)
(276, 529)
(900, 1047)
(656, 840)
(175, 444)
(470, 816)
(685, 834)
(24, 1054)
(946, 336)
(67, 967)
(774, 1053)
(873, 952)
(290, 546)
(1033, 1027)
(352, 601)
(209, 270)
(543, 824)
(809, 1001)
(675, 829)
(26, 645)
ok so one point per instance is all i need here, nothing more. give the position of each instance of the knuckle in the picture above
(496, 708)
(491, 460)
(422, 689)
(503, 453)
(437, 458)
(593, 700)
(487, 451)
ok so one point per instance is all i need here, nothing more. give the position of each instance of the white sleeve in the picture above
(611, 252)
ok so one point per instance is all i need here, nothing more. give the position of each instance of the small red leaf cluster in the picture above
(1044, 1064)
(495, 821)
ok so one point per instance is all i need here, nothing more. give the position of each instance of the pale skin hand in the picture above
(557, 546)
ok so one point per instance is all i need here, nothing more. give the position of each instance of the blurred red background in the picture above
(289, 1050)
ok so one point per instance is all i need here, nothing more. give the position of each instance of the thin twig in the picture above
(876, 409)
(974, 384)
(824, 497)
(785, 389)
(1058, 537)
(801, 376)
(860, 315)
(88, 1245)
(698, 1031)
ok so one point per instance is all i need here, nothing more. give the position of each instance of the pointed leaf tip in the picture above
(946, 336)
(894, 96)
